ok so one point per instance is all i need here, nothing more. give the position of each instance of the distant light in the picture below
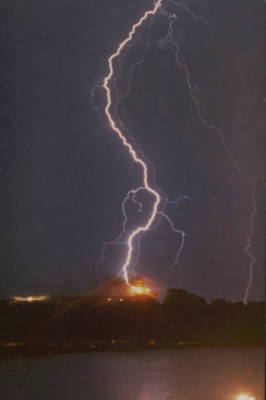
(31, 298)
(245, 397)
(152, 343)
(109, 299)
(140, 289)
(121, 299)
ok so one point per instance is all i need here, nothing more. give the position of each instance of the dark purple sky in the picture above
(63, 174)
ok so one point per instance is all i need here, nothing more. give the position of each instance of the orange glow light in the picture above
(140, 290)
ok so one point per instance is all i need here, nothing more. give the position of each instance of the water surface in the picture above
(185, 374)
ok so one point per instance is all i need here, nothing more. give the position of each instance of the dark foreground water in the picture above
(187, 374)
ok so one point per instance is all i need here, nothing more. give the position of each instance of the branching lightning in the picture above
(248, 244)
(132, 239)
(119, 240)
(175, 48)
(136, 158)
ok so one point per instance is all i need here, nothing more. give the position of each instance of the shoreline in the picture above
(23, 349)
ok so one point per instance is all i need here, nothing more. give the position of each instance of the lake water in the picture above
(185, 374)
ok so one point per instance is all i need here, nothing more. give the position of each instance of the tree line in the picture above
(181, 318)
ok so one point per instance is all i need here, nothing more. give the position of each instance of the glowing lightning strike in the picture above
(127, 145)
(132, 240)
(248, 245)
(130, 196)
(176, 49)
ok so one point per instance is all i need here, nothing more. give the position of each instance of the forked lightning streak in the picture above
(132, 240)
(136, 158)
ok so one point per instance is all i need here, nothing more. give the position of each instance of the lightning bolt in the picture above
(196, 17)
(132, 240)
(248, 244)
(175, 49)
(128, 146)
(131, 195)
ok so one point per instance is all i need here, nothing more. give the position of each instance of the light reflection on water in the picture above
(189, 374)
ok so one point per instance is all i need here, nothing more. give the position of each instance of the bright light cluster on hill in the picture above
(31, 298)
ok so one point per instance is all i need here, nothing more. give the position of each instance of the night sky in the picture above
(64, 172)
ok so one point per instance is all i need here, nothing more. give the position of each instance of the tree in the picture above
(185, 314)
